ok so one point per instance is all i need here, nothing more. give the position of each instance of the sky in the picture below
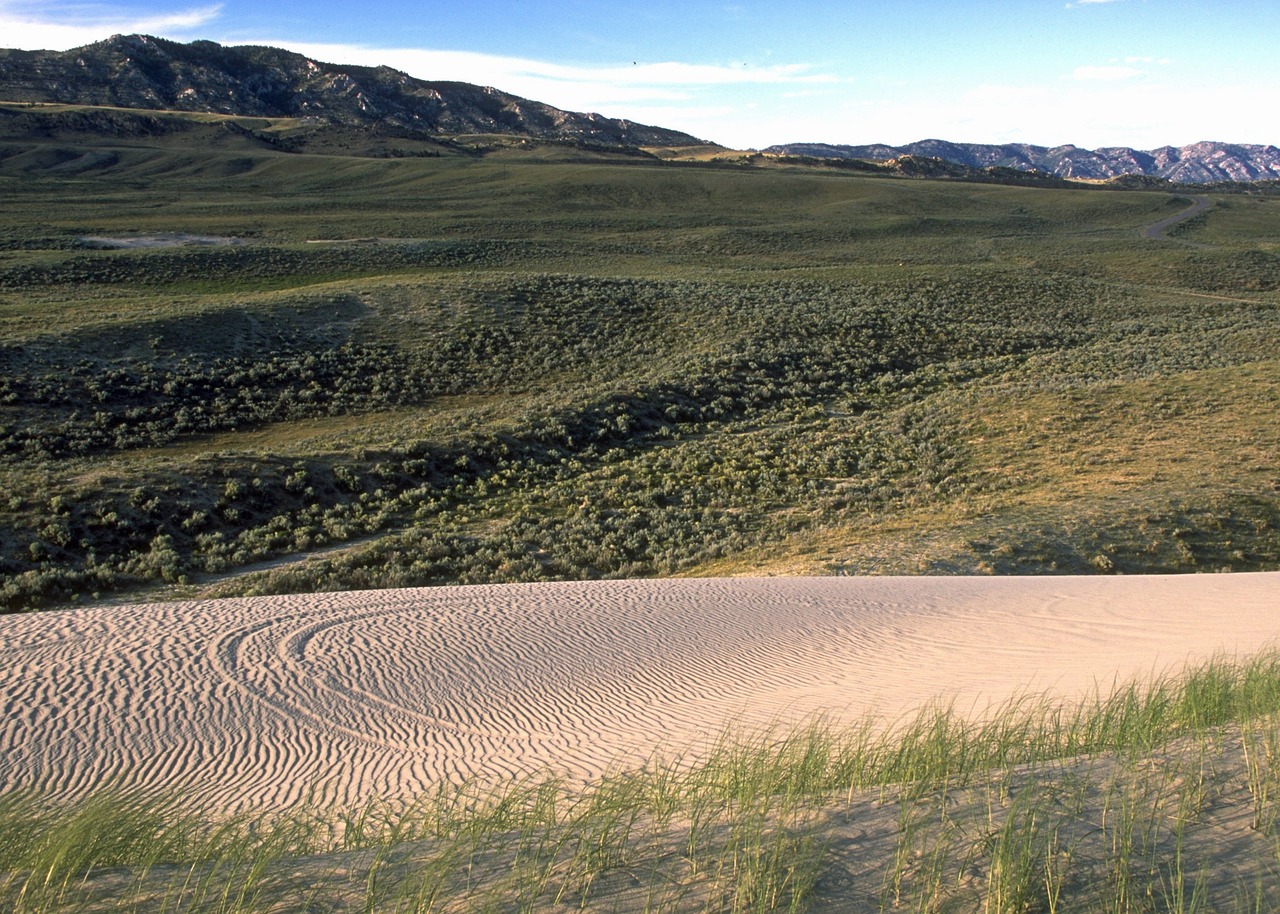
(749, 74)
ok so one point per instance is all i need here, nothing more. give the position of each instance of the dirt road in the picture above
(1158, 230)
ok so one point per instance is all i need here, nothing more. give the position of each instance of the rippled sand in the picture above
(333, 697)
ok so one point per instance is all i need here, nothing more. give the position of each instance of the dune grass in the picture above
(1157, 795)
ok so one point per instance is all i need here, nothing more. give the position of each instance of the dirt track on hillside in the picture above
(1158, 230)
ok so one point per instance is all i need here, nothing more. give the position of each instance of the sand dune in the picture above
(332, 697)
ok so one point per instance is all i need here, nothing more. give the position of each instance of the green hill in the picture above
(227, 367)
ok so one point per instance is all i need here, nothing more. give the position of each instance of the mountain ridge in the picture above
(140, 71)
(380, 104)
(1197, 163)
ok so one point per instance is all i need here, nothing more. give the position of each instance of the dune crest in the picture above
(332, 697)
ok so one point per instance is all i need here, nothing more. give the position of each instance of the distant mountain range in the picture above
(1199, 163)
(137, 71)
(154, 74)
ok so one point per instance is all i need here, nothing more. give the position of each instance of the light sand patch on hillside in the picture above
(154, 240)
(335, 697)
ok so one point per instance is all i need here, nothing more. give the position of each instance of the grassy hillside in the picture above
(226, 369)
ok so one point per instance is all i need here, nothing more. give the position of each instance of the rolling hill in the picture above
(227, 368)
(264, 349)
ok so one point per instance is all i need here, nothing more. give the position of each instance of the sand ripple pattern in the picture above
(332, 697)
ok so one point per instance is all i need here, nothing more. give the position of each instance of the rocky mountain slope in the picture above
(1199, 163)
(141, 72)
(137, 71)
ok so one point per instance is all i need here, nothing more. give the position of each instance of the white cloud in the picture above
(55, 27)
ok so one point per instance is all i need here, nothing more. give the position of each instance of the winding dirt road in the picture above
(1158, 230)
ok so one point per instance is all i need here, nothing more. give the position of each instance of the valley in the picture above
(540, 362)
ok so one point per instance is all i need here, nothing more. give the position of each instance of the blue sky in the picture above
(746, 73)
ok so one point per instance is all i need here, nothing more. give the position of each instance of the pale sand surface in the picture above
(335, 697)
(154, 240)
